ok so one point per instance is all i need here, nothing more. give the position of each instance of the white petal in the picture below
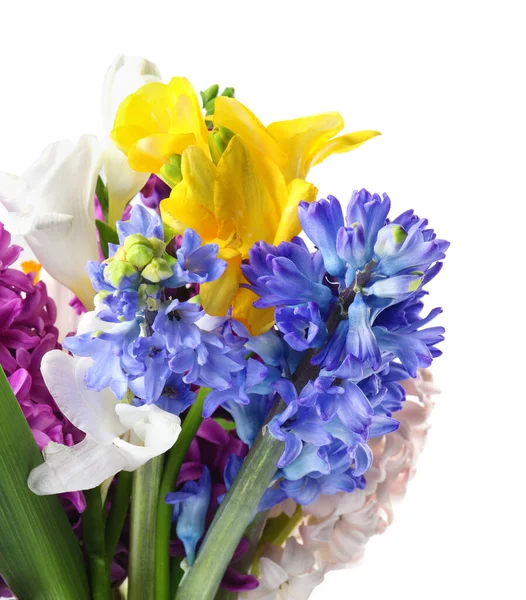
(350, 502)
(272, 575)
(89, 322)
(154, 430)
(124, 76)
(90, 411)
(122, 181)
(62, 181)
(301, 588)
(296, 558)
(19, 223)
(81, 467)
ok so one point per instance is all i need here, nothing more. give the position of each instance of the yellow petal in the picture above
(289, 226)
(185, 108)
(191, 202)
(246, 200)
(32, 266)
(146, 108)
(230, 113)
(256, 320)
(217, 296)
(152, 123)
(150, 153)
(343, 143)
(300, 138)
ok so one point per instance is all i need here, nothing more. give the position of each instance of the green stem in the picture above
(145, 492)
(234, 515)
(175, 458)
(93, 532)
(118, 512)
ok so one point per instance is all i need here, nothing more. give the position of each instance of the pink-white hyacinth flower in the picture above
(338, 527)
(288, 573)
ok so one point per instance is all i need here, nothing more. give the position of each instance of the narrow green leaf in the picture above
(39, 554)
(102, 194)
(107, 236)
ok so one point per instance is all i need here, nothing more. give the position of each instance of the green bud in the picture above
(229, 92)
(117, 270)
(120, 254)
(170, 260)
(209, 94)
(195, 299)
(171, 171)
(218, 140)
(158, 246)
(139, 256)
(399, 234)
(157, 270)
(136, 238)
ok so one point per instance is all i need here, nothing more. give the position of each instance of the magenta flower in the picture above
(27, 332)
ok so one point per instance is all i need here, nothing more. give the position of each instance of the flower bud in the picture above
(171, 171)
(209, 94)
(390, 239)
(121, 274)
(158, 246)
(139, 255)
(157, 270)
(218, 140)
(135, 238)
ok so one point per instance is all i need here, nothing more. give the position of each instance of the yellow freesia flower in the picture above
(242, 200)
(253, 192)
(295, 145)
(160, 120)
(157, 121)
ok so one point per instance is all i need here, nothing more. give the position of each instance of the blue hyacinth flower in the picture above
(141, 221)
(195, 263)
(190, 508)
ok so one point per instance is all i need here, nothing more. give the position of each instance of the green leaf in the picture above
(107, 236)
(39, 554)
(102, 194)
(226, 425)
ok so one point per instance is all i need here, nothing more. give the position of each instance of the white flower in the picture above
(125, 75)
(118, 436)
(51, 205)
(286, 574)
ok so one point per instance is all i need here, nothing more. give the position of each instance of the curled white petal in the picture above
(51, 203)
(118, 436)
(125, 75)
(90, 411)
(122, 181)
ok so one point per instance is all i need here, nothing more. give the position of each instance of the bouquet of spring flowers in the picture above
(238, 388)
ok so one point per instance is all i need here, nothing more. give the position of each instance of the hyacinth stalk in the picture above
(257, 472)
(145, 489)
(164, 511)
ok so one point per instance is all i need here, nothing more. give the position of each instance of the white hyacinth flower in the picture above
(119, 437)
(286, 574)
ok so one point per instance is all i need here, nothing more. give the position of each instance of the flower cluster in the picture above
(271, 369)
(27, 332)
(349, 313)
(335, 529)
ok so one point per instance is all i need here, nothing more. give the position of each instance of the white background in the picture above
(444, 81)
